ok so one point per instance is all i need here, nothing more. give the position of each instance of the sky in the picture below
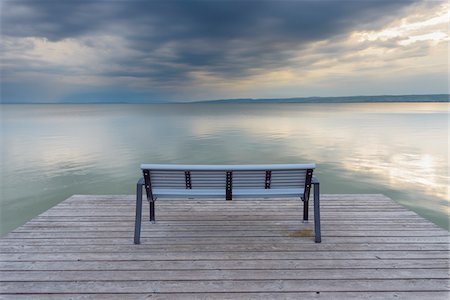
(165, 51)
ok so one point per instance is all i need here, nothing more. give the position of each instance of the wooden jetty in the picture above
(372, 248)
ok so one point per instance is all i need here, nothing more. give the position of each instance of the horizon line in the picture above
(259, 100)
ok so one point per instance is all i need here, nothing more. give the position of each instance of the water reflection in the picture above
(397, 149)
(391, 146)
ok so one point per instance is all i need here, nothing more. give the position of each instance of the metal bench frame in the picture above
(190, 191)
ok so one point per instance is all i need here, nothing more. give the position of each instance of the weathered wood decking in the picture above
(371, 248)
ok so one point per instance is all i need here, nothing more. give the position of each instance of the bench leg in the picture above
(318, 237)
(305, 210)
(137, 220)
(152, 211)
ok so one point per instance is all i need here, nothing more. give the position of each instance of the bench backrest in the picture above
(228, 177)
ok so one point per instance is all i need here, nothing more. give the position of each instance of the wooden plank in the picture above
(356, 197)
(224, 240)
(191, 275)
(238, 201)
(280, 204)
(228, 219)
(234, 209)
(234, 206)
(125, 226)
(118, 264)
(56, 222)
(253, 248)
(292, 234)
(328, 198)
(50, 256)
(224, 232)
(348, 202)
(293, 212)
(223, 286)
(416, 295)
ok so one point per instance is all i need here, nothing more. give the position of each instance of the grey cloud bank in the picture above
(152, 50)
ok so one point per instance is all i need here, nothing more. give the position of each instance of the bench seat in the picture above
(220, 193)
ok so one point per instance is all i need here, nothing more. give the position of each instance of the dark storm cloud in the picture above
(169, 39)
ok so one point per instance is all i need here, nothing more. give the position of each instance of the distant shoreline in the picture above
(343, 99)
(428, 98)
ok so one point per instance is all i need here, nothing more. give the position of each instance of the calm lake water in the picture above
(50, 152)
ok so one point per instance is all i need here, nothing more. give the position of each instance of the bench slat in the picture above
(164, 193)
(228, 167)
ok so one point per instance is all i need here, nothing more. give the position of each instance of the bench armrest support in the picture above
(314, 180)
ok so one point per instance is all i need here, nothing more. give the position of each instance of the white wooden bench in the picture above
(228, 182)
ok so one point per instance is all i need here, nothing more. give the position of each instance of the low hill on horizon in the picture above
(342, 99)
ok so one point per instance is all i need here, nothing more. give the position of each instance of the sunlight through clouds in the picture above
(423, 26)
(416, 44)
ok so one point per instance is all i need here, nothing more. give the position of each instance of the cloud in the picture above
(167, 47)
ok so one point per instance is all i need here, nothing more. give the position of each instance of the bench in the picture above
(228, 182)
